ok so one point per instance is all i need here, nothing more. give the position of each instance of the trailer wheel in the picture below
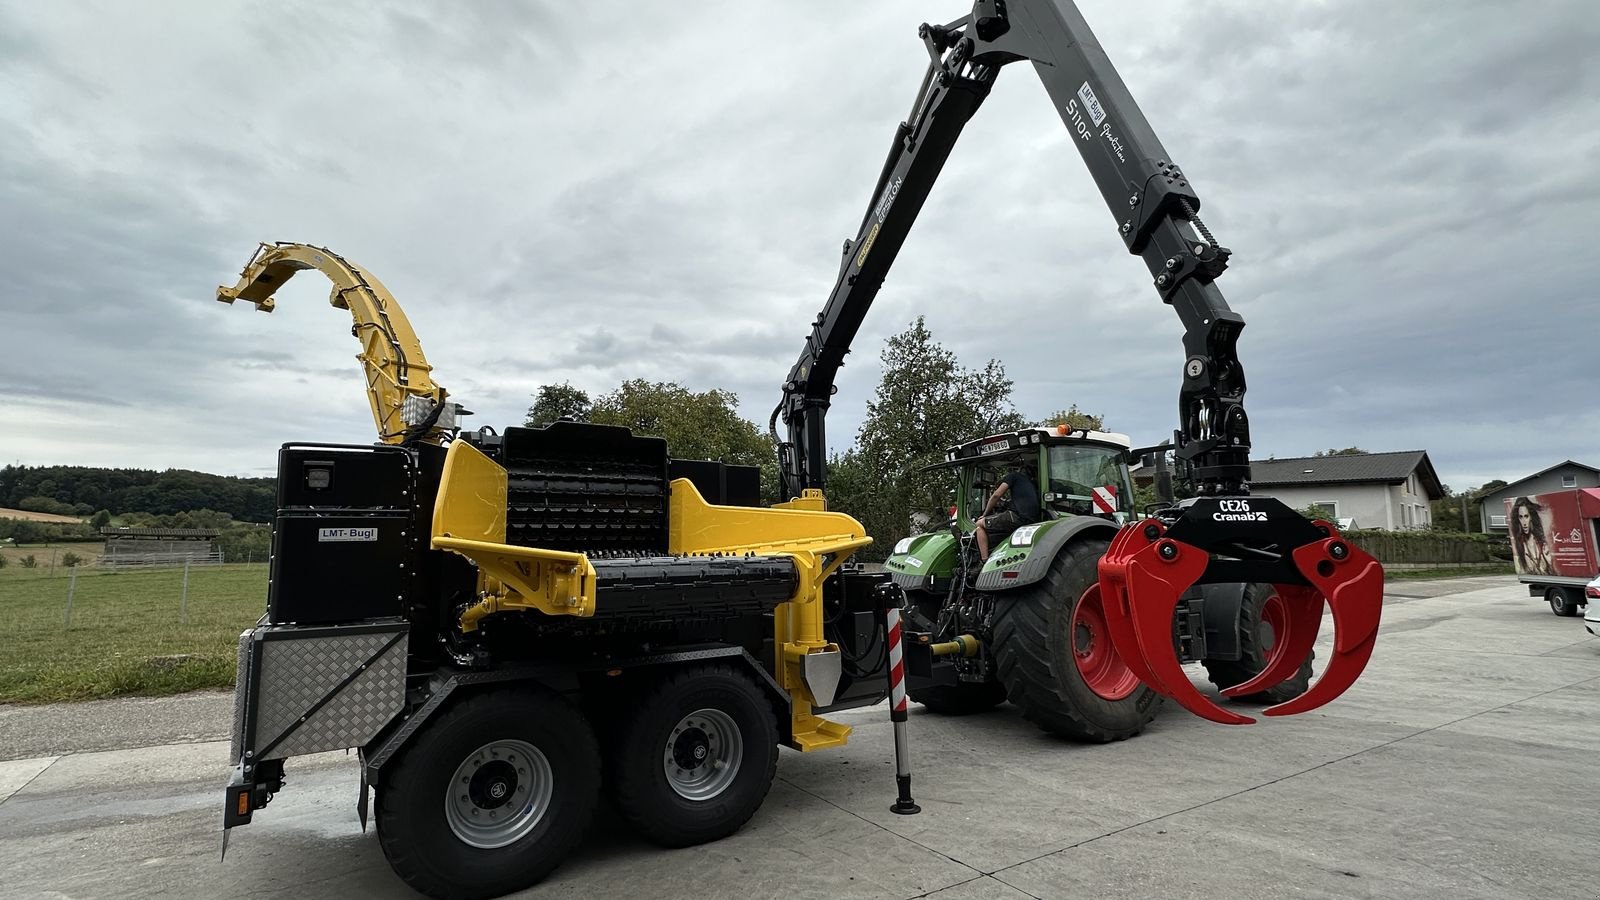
(1561, 602)
(491, 796)
(1262, 619)
(695, 756)
(1056, 660)
(961, 699)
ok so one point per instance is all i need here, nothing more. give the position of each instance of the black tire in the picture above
(639, 780)
(1256, 641)
(1033, 640)
(414, 826)
(1561, 602)
(961, 699)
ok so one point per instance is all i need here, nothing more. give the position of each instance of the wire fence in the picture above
(89, 598)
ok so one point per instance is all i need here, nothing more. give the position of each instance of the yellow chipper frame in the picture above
(496, 619)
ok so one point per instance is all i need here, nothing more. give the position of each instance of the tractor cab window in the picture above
(1088, 481)
(987, 474)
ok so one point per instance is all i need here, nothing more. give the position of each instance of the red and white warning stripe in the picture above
(1105, 499)
(897, 668)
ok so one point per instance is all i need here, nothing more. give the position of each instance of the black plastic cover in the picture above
(719, 482)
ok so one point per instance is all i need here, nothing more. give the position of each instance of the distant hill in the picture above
(84, 490)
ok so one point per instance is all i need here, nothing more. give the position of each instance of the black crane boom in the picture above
(1151, 199)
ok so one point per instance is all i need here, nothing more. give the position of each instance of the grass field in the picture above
(126, 635)
(88, 551)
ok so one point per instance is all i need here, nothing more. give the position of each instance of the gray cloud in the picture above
(611, 191)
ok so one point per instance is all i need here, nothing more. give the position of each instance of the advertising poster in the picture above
(1550, 536)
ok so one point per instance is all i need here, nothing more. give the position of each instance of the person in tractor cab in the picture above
(1024, 510)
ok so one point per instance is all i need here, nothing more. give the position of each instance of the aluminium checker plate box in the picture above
(287, 673)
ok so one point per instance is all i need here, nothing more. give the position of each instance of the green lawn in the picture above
(126, 635)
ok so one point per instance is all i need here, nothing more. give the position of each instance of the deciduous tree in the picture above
(556, 401)
(926, 402)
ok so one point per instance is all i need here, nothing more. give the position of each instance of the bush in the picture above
(1422, 546)
(70, 559)
(45, 505)
(28, 562)
(23, 531)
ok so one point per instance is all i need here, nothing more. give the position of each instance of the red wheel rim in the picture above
(1269, 635)
(1097, 659)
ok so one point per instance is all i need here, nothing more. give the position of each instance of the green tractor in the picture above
(1028, 624)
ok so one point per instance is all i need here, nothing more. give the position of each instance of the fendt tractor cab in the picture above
(1030, 624)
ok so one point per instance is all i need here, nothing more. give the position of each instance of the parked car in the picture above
(1591, 616)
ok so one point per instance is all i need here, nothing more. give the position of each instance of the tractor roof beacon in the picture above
(493, 619)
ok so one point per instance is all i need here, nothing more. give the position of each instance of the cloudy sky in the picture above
(601, 191)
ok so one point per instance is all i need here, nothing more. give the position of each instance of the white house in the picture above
(1562, 476)
(1390, 491)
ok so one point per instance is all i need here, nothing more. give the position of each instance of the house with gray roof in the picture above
(1390, 491)
(1562, 476)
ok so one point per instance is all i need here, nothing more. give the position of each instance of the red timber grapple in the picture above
(1159, 573)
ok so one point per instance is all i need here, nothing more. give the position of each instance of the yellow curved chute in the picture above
(407, 405)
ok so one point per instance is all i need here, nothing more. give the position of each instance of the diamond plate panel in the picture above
(239, 688)
(298, 672)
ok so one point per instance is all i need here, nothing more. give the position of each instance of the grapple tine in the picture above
(1150, 565)
(1146, 582)
(1352, 582)
(1304, 608)
(1118, 605)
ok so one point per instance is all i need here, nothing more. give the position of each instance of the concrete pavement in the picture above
(1461, 766)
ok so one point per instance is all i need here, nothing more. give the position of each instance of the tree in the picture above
(101, 519)
(1447, 514)
(1076, 418)
(83, 490)
(556, 401)
(925, 403)
(1348, 451)
(704, 425)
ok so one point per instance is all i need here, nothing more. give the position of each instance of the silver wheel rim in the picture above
(498, 794)
(702, 754)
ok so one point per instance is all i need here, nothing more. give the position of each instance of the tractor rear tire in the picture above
(961, 699)
(1259, 630)
(695, 756)
(1036, 634)
(491, 796)
(1561, 602)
